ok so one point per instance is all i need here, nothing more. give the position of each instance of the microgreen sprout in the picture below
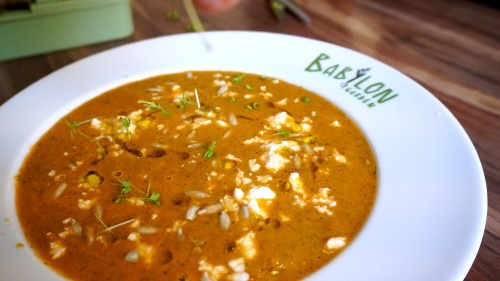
(238, 79)
(126, 124)
(73, 126)
(153, 198)
(126, 187)
(154, 105)
(183, 102)
(210, 150)
(282, 133)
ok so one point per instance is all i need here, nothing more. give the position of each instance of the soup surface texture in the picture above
(197, 176)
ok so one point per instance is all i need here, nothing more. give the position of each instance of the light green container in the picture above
(52, 25)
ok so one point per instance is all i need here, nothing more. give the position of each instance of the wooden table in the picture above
(450, 47)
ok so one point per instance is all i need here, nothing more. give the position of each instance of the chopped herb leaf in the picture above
(126, 124)
(305, 99)
(126, 187)
(248, 87)
(157, 106)
(154, 198)
(210, 150)
(253, 106)
(73, 126)
(238, 79)
(183, 102)
(282, 133)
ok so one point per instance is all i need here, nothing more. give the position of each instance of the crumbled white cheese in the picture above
(306, 128)
(257, 209)
(254, 166)
(85, 204)
(57, 249)
(335, 123)
(247, 245)
(239, 276)
(335, 243)
(274, 161)
(214, 272)
(261, 192)
(296, 183)
(254, 140)
(291, 145)
(237, 265)
(282, 102)
(96, 124)
(299, 201)
(280, 120)
(241, 179)
(133, 236)
(238, 193)
(339, 157)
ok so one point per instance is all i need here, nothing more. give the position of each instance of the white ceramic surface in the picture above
(430, 213)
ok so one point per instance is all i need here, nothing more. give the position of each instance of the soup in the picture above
(197, 176)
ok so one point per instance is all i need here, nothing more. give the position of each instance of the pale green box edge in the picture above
(57, 25)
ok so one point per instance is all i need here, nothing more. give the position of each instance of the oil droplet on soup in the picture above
(197, 176)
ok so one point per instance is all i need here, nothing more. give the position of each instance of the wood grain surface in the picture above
(451, 47)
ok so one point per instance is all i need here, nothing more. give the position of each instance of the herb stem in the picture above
(118, 225)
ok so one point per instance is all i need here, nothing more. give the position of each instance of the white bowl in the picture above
(430, 212)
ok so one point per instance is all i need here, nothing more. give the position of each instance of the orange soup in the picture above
(197, 176)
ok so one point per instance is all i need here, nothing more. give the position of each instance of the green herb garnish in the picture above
(238, 79)
(154, 105)
(210, 150)
(153, 198)
(73, 126)
(126, 187)
(248, 87)
(253, 106)
(126, 124)
(305, 99)
(183, 102)
(282, 133)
